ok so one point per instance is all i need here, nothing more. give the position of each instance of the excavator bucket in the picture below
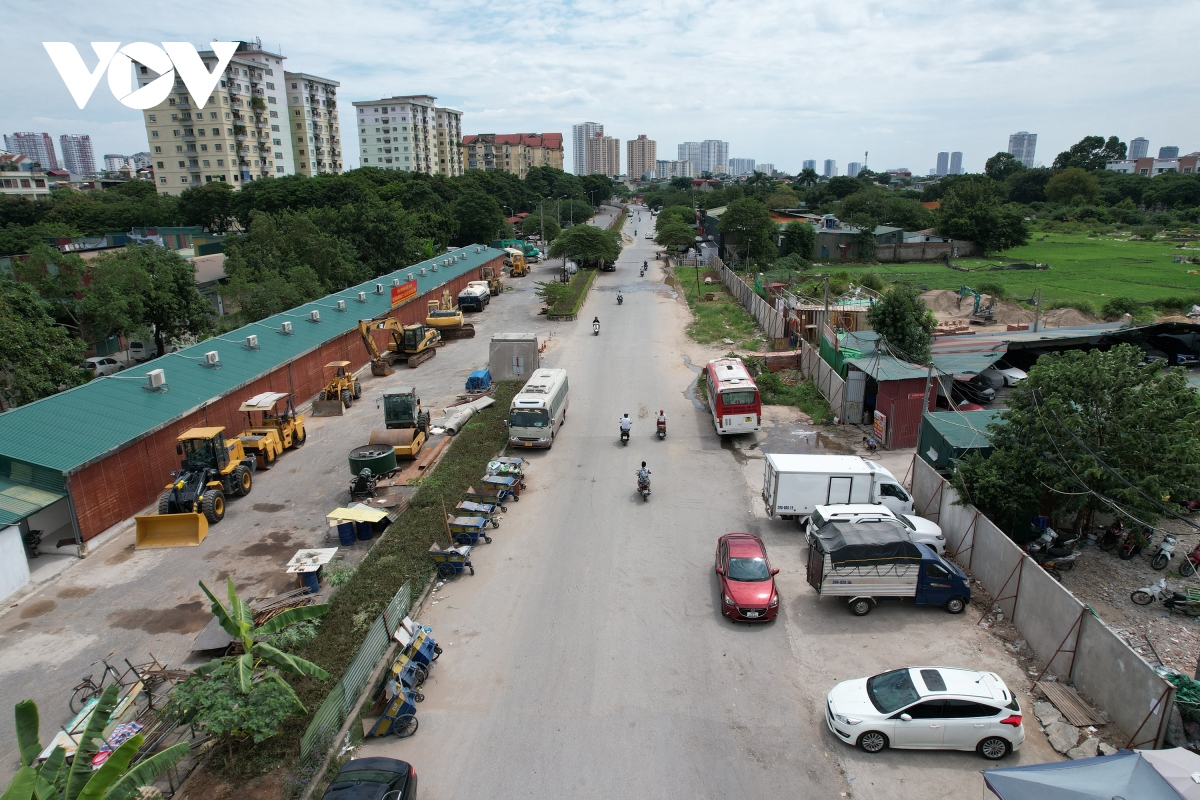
(170, 530)
(327, 408)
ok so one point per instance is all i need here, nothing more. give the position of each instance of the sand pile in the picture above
(945, 305)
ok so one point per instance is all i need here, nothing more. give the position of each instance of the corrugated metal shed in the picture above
(18, 501)
(71, 429)
(888, 368)
(947, 436)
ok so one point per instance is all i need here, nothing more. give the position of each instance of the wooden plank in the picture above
(1069, 704)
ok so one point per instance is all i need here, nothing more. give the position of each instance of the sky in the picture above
(780, 81)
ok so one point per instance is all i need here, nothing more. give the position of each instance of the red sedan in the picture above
(747, 579)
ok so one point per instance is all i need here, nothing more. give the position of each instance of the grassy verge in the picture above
(401, 554)
(714, 321)
(779, 389)
(580, 283)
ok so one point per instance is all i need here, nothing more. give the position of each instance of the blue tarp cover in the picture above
(479, 380)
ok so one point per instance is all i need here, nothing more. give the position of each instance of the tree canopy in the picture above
(974, 210)
(1073, 186)
(1002, 166)
(673, 233)
(38, 357)
(749, 229)
(1091, 153)
(799, 238)
(902, 318)
(587, 245)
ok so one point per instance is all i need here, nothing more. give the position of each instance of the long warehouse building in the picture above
(95, 455)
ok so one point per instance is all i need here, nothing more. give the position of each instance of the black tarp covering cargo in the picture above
(860, 544)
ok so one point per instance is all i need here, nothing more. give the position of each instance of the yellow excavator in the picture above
(414, 344)
(447, 319)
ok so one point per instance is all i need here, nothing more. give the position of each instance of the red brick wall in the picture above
(129, 480)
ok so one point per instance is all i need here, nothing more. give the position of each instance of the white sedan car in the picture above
(101, 365)
(1001, 373)
(927, 708)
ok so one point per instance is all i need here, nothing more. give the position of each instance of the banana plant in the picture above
(238, 621)
(54, 779)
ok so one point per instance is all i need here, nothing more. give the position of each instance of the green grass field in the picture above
(716, 320)
(1090, 269)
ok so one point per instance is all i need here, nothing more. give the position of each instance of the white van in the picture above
(795, 484)
(539, 409)
(920, 530)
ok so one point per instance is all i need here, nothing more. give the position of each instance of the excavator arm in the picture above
(364, 330)
(381, 363)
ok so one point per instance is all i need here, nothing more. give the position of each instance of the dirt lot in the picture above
(946, 305)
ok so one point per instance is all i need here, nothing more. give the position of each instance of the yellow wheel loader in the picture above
(211, 470)
(340, 392)
(270, 430)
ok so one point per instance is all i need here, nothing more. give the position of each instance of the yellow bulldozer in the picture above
(269, 429)
(340, 392)
(448, 320)
(211, 470)
(414, 344)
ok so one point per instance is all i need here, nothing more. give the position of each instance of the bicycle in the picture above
(88, 688)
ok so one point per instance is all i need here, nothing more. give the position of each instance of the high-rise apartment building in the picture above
(313, 123)
(943, 163)
(765, 169)
(37, 147)
(641, 157)
(1022, 145)
(956, 167)
(142, 160)
(512, 152)
(830, 170)
(114, 162)
(449, 141)
(673, 169)
(1168, 152)
(78, 156)
(711, 155)
(239, 135)
(603, 156)
(579, 136)
(690, 152)
(401, 133)
(1139, 147)
(853, 168)
(809, 163)
(741, 166)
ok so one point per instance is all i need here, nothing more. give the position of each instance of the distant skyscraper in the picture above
(765, 168)
(830, 168)
(579, 136)
(674, 169)
(1168, 152)
(1139, 147)
(690, 152)
(603, 156)
(1022, 145)
(142, 160)
(741, 166)
(956, 163)
(810, 163)
(641, 157)
(37, 147)
(852, 169)
(714, 156)
(943, 163)
(78, 156)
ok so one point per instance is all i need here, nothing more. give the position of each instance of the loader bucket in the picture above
(170, 530)
(327, 408)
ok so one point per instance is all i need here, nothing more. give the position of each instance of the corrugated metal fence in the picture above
(825, 377)
(771, 321)
(340, 702)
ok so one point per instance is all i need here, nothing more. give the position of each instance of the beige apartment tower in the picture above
(409, 133)
(240, 135)
(603, 156)
(313, 119)
(641, 157)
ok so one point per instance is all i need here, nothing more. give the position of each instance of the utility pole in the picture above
(928, 380)
(1037, 318)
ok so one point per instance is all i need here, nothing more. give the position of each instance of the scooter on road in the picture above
(662, 424)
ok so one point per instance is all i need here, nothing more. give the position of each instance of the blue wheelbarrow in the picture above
(451, 561)
(495, 489)
(399, 714)
(468, 530)
(489, 510)
(423, 649)
(410, 673)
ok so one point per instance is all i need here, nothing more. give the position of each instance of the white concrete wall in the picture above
(14, 568)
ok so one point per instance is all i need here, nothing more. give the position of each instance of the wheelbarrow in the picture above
(495, 490)
(468, 530)
(452, 560)
(509, 468)
(399, 714)
(423, 649)
(489, 510)
(410, 674)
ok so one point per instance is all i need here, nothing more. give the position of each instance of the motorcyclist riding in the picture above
(643, 479)
(596, 325)
(620, 297)
(626, 425)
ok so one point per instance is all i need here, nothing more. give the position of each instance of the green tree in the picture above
(1091, 153)
(902, 318)
(479, 217)
(781, 197)
(683, 214)
(587, 245)
(808, 177)
(974, 210)
(674, 233)
(1028, 186)
(17, 238)
(210, 205)
(1073, 186)
(1099, 433)
(793, 262)
(799, 238)
(748, 229)
(574, 212)
(145, 287)
(681, 183)
(597, 188)
(55, 779)
(58, 278)
(843, 186)
(38, 357)
(1003, 166)
(533, 225)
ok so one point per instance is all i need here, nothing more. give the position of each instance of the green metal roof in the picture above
(888, 368)
(72, 429)
(966, 363)
(965, 430)
(18, 501)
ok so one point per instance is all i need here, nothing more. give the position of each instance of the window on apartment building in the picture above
(204, 147)
(174, 131)
(275, 128)
(277, 142)
(183, 179)
(220, 162)
(299, 152)
(151, 118)
(153, 134)
(170, 101)
(205, 162)
(200, 131)
(216, 147)
(157, 149)
(270, 86)
(191, 148)
(212, 114)
(162, 180)
(178, 148)
(275, 115)
(160, 164)
(297, 112)
(270, 99)
(293, 84)
(279, 169)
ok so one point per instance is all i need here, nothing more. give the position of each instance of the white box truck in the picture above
(794, 485)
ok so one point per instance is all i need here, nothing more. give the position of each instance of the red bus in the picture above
(732, 397)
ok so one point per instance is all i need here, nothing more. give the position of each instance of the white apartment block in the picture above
(1023, 145)
(401, 133)
(673, 169)
(579, 135)
(830, 170)
(114, 162)
(78, 156)
(239, 135)
(313, 123)
(741, 166)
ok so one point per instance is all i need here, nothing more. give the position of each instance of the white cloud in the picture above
(780, 80)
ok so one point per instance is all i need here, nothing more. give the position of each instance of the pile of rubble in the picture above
(1065, 738)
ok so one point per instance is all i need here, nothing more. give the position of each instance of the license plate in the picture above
(749, 419)
(529, 444)
(751, 614)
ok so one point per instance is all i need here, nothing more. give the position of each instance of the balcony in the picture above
(189, 137)
(193, 168)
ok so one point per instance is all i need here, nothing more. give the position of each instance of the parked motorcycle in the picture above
(1133, 543)
(1055, 565)
(1161, 557)
(1052, 543)
(662, 424)
(1112, 535)
(1175, 601)
(1190, 563)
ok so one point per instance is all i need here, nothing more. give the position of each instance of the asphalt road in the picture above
(587, 656)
